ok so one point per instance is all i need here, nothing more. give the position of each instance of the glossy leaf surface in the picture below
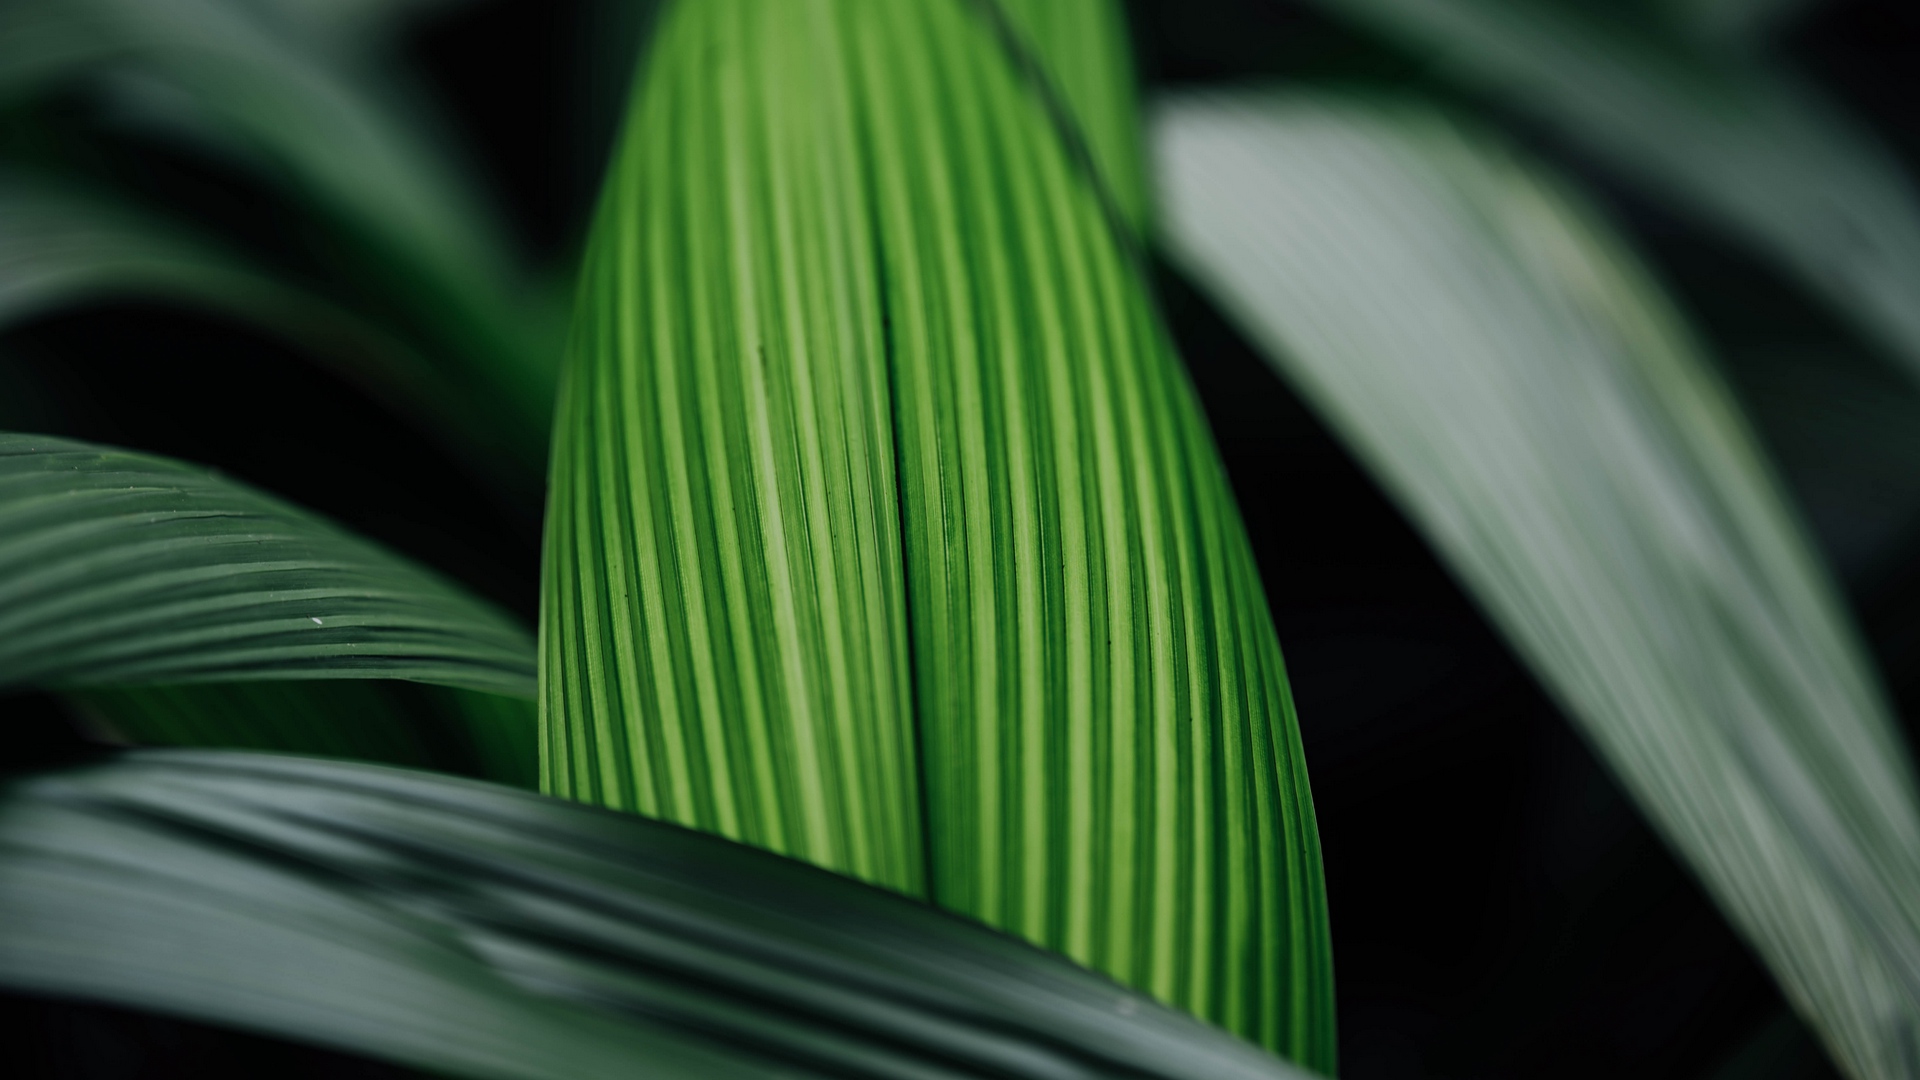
(886, 531)
(480, 932)
(1513, 378)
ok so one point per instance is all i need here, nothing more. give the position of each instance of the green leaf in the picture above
(118, 568)
(463, 732)
(1723, 134)
(1735, 22)
(1512, 377)
(481, 932)
(344, 138)
(1078, 51)
(886, 531)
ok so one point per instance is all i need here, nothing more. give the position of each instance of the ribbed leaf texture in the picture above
(885, 530)
(1511, 375)
(119, 568)
(480, 932)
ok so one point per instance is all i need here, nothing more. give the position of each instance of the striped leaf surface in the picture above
(1509, 372)
(885, 530)
(120, 568)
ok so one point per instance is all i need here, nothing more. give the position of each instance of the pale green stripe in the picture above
(119, 568)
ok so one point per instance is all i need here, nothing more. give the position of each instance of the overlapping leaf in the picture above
(118, 568)
(885, 529)
(480, 932)
(1509, 373)
(1077, 50)
(1721, 133)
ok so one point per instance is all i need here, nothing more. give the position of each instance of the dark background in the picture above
(1499, 909)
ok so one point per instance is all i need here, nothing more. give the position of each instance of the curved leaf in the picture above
(117, 568)
(1531, 399)
(886, 532)
(61, 246)
(1735, 140)
(337, 136)
(480, 932)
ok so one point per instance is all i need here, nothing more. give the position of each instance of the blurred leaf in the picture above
(886, 531)
(62, 246)
(463, 732)
(1724, 135)
(345, 138)
(1735, 21)
(481, 932)
(117, 568)
(351, 25)
(1509, 373)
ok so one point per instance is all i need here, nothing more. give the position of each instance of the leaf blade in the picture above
(1507, 371)
(891, 247)
(128, 569)
(484, 932)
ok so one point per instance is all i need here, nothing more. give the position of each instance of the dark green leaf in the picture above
(1735, 22)
(118, 568)
(344, 138)
(885, 529)
(1539, 409)
(481, 932)
(463, 732)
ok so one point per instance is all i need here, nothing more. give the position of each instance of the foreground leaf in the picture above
(1531, 400)
(118, 568)
(480, 932)
(886, 532)
(1724, 135)
(1078, 50)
